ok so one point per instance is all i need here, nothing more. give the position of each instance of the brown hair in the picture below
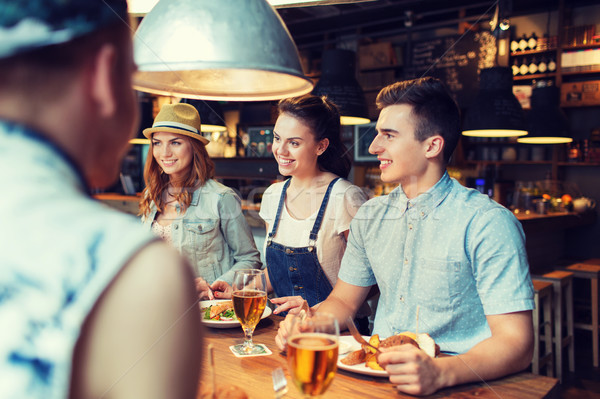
(201, 169)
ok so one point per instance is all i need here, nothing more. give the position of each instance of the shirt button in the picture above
(176, 227)
(405, 261)
(292, 269)
(422, 214)
(410, 226)
(295, 287)
(288, 251)
(200, 227)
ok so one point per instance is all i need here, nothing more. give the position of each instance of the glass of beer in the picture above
(249, 301)
(312, 352)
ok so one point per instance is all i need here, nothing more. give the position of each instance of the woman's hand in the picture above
(203, 289)
(221, 290)
(291, 304)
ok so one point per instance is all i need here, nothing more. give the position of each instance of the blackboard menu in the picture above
(456, 60)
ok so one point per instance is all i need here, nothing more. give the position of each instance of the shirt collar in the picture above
(424, 202)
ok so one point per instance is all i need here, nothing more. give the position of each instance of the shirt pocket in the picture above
(204, 237)
(437, 282)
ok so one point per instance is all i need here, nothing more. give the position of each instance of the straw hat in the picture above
(177, 118)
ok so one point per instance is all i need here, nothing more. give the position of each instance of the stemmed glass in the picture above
(313, 352)
(249, 301)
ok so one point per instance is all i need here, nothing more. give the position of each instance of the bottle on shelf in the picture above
(524, 67)
(515, 68)
(514, 45)
(533, 66)
(532, 42)
(543, 66)
(523, 43)
(552, 65)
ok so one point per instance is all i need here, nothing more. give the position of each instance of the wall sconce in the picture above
(338, 82)
(547, 122)
(495, 111)
(217, 50)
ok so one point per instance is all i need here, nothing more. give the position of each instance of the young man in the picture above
(436, 246)
(91, 305)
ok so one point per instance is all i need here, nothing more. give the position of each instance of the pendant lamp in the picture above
(495, 112)
(547, 122)
(238, 50)
(212, 118)
(338, 82)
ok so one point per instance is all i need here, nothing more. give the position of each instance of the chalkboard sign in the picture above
(456, 61)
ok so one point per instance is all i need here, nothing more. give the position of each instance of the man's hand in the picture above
(221, 290)
(291, 304)
(203, 289)
(411, 369)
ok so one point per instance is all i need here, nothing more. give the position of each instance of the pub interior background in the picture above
(402, 39)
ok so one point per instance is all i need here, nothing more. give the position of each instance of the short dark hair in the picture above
(322, 116)
(433, 108)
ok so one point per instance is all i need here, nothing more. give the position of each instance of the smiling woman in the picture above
(182, 203)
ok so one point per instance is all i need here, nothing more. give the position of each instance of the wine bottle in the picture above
(543, 66)
(532, 42)
(515, 67)
(524, 68)
(533, 67)
(514, 45)
(523, 43)
(552, 65)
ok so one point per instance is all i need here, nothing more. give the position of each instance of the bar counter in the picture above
(253, 374)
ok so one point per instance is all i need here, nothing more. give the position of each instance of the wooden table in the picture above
(254, 374)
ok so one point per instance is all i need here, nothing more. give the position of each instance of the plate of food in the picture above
(219, 313)
(358, 359)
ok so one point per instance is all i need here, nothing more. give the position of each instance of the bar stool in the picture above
(543, 303)
(562, 284)
(590, 271)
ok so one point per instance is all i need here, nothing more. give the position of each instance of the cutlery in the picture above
(279, 383)
(356, 334)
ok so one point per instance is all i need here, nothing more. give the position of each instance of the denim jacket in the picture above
(213, 233)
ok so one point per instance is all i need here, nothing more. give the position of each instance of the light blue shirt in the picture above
(451, 251)
(59, 251)
(213, 233)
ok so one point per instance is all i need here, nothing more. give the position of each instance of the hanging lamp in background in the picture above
(546, 121)
(212, 118)
(495, 111)
(238, 50)
(338, 82)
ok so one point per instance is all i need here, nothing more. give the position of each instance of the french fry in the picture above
(374, 340)
(371, 362)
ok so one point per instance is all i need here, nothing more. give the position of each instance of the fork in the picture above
(279, 383)
(357, 336)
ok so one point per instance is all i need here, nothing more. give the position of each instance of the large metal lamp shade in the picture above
(338, 82)
(547, 122)
(495, 112)
(237, 50)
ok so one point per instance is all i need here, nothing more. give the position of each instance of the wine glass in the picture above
(249, 301)
(313, 352)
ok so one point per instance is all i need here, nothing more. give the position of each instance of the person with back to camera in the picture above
(435, 245)
(80, 316)
(183, 204)
(307, 217)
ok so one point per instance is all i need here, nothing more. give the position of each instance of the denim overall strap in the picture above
(296, 270)
(312, 239)
(278, 214)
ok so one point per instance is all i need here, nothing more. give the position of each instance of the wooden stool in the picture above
(591, 272)
(562, 282)
(543, 302)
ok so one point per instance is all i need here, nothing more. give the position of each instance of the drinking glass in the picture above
(249, 301)
(313, 352)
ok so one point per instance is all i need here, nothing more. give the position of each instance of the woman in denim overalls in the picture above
(308, 216)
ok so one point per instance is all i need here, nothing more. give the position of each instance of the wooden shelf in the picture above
(590, 72)
(535, 76)
(581, 47)
(532, 52)
(578, 163)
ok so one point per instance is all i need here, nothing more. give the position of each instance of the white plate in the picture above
(226, 324)
(349, 344)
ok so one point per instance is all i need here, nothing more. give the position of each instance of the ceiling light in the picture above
(338, 82)
(217, 50)
(547, 122)
(495, 111)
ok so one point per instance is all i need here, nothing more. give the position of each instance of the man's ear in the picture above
(322, 147)
(101, 80)
(434, 147)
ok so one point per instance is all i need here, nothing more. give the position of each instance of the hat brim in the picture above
(151, 130)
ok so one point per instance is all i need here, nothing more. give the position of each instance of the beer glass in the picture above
(249, 301)
(312, 352)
